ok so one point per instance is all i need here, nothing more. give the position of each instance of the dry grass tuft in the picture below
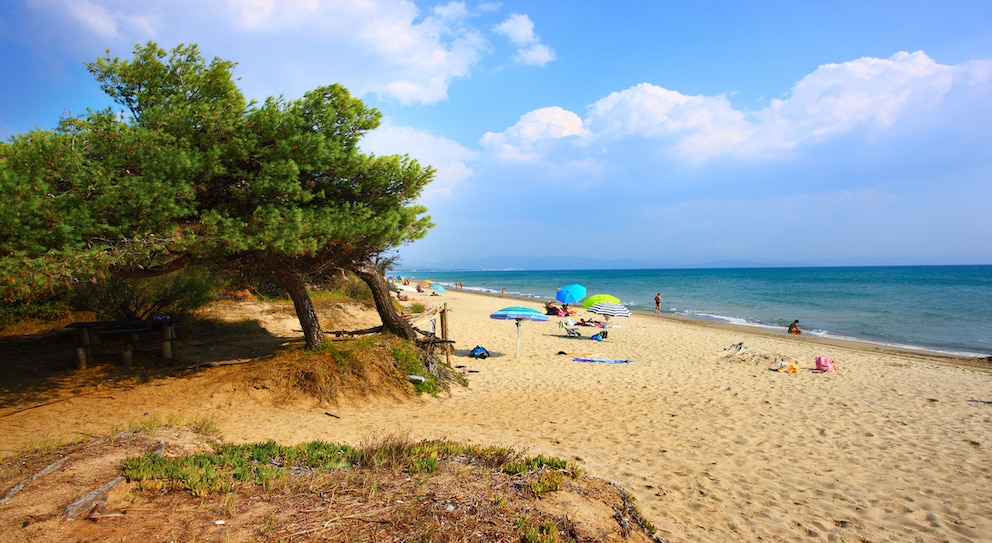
(373, 366)
(388, 492)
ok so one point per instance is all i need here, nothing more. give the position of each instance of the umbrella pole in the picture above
(518, 339)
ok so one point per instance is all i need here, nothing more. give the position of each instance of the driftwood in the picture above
(340, 333)
(87, 503)
(233, 362)
(17, 488)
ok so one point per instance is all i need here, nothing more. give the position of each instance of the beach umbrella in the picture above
(609, 309)
(596, 298)
(570, 294)
(439, 289)
(518, 314)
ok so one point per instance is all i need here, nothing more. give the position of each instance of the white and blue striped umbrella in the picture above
(517, 313)
(609, 309)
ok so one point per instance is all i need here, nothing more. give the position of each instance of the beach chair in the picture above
(573, 332)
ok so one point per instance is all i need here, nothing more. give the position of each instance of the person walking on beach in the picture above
(657, 304)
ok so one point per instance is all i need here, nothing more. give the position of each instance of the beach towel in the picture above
(788, 367)
(603, 360)
(824, 364)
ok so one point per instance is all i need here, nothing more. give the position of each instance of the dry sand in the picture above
(895, 446)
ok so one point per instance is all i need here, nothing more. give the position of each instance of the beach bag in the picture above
(824, 364)
(480, 352)
(597, 337)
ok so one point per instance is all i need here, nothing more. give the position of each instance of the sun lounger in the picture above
(573, 332)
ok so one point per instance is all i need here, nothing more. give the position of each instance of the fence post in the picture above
(444, 333)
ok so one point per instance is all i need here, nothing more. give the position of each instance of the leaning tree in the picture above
(188, 171)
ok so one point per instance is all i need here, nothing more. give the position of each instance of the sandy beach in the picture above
(894, 446)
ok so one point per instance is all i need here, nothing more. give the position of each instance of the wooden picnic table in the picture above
(124, 333)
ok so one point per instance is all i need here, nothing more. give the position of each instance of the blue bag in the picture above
(480, 352)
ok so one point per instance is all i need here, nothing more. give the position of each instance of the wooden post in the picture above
(126, 352)
(81, 358)
(444, 321)
(444, 333)
(85, 354)
(168, 336)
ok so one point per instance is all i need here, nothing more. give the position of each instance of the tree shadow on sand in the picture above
(40, 368)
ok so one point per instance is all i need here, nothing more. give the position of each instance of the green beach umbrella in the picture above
(596, 298)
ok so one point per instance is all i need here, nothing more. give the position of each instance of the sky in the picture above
(581, 133)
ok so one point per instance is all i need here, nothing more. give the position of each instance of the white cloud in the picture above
(833, 102)
(696, 125)
(519, 29)
(391, 48)
(535, 55)
(520, 142)
(97, 19)
(837, 98)
(447, 157)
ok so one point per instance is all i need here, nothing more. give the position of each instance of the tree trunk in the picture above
(312, 330)
(391, 320)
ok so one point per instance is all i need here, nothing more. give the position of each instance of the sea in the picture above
(946, 309)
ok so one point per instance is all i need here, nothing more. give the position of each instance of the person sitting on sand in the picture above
(794, 327)
(551, 309)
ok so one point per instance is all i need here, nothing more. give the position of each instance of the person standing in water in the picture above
(657, 304)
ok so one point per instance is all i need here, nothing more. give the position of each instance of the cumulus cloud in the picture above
(521, 142)
(519, 29)
(835, 100)
(396, 49)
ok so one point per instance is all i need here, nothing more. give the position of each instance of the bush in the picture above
(116, 298)
(38, 311)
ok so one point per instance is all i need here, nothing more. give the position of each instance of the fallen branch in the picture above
(17, 488)
(87, 502)
(340, 333)
(230, 362)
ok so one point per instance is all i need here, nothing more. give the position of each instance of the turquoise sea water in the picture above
(941, 308)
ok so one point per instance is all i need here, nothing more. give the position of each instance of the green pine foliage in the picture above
(187, 171)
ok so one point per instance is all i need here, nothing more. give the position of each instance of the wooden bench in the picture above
(124, 333)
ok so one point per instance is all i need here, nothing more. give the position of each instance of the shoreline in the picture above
(924, 353)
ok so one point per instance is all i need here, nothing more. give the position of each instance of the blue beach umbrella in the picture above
(439, 289)
(518, 314)
(570, 294)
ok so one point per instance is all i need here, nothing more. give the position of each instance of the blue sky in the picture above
(648, 133)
